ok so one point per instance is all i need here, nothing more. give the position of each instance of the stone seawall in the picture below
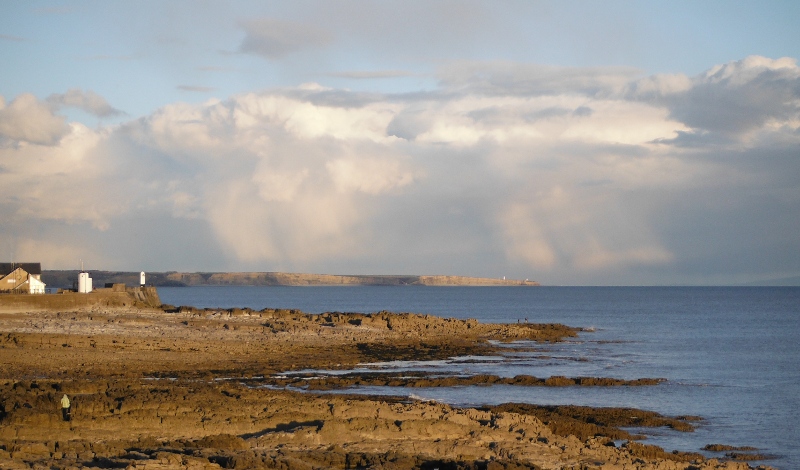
(117, 296)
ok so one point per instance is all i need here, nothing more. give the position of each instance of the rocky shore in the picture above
(187, 388)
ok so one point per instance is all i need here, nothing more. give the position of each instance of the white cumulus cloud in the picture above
(557, 174)
(27, 119)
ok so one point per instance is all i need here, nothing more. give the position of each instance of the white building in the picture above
(21, 278)
(84, 283)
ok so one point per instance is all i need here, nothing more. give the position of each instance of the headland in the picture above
(57, 278)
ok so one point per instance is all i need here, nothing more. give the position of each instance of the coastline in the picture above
(186, 389)
(64, 279)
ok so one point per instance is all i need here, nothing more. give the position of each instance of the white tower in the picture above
(141, 278)
(84, 283)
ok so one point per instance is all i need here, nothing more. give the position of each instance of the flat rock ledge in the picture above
(167, 424)
(173, 390)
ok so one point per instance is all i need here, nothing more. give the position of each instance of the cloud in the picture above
(729, 100)
(214, 68)
(656, 86)
(510, 78)
(88, 101)
(195, 88)
(29, 120)
(340, 98)
(105, 57)
(274, 39)
(525, 238)
(409, 123)
(7, 37)
(368, 175)
(372, 74)
(279, 185)
(64, 182)
(277, 178)
(601, 177)
(290, 178)
(56, 252)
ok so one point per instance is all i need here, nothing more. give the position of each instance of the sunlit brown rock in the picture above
(185, 389)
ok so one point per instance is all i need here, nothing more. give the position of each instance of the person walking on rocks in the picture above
(65, 407)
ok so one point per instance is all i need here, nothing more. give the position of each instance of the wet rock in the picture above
(747, 457)
(724, 448)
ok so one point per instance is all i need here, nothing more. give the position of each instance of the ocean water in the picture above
(730, 354)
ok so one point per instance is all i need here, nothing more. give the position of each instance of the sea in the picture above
(730, 355)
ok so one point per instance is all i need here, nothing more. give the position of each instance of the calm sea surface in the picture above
(730, 354)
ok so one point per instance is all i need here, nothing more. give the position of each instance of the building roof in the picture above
(30, 268)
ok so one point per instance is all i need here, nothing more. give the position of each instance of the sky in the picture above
(568, 142)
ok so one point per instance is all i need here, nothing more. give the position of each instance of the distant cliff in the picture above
(65, 279)
(297, 279)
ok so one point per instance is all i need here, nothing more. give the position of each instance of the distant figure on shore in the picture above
(65, 407)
